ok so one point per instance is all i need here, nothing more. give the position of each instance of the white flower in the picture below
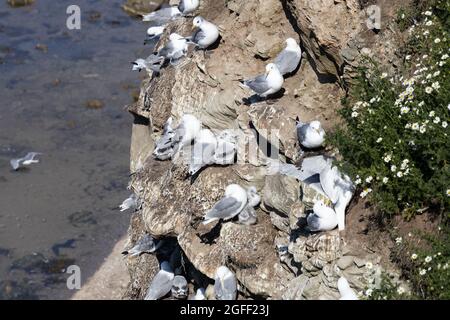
(437, 40)
(379, 140)
(399, 174)
(385, 180)
(422, 272)
(441, 63)
(424, 57)
(413, 256)
(429, 23)
(410, 235)
(408, 126)
(437, 120)
(369, 179)
(398, 240)
(421, 104)
(444, 124)
(444, 57)
(423, 129)
(428, 259)
(387, 158)
(431, 114)
(415, 126)
(428, 13)
(436, 85)
(428, 77)
(393, 168)
(384, 75)
(448, 192)
(369, 292)
(428, 90)
(400, 290)
(426, 33)
(358, 181)
(404, 110)
(408, 57)
(369, 265)
(436, 73)
(354, 114)
(373, 100)
(365, 192)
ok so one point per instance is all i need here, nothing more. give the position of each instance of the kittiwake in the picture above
(225, 284)
(229, 206)
(29, 159)
(206, 35)
(146, 244)
(203, 151)
(161, 284)
(346, 292)
(269, 83)
(175, 49)
(152, 63)
(310, 135)
(323, 218)
(129, 203)
(165, 14)
(287, 60)
(164, 146)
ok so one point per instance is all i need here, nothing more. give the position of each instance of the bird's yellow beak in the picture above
(328, 203)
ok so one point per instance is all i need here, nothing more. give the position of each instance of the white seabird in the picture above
(175, 49)
(161, 284)
(288, 59)
(29, 159)
(323, 218)
(225, 284)
(203, 151)
(146, 244)
(344, 289)
(153, 33)
(248, 215)
(152, 63)
(164, 15)
(269, 83)
(164, 146)
(129, 203)
(229, 206)
(310, 135)
(206, 35)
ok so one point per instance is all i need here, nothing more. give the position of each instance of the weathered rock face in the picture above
(253, 32)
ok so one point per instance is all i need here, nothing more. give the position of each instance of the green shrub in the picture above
(395, 143)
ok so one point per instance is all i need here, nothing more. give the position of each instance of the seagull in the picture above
(344, 289)
(152, 63)
(323, 219)
(226, 148)
(204, 150)
(166, 14)
(175, 49)
(173, 141)
(310, 135)
(161, 284)
(29, 159)
(269, 83)
(229, 206)
(338, 188)
(248, 215)
(146, 244)
(288, 59)
(164, 146)
(154, 32)
(225, 284)
(129, 203)
(206, 35)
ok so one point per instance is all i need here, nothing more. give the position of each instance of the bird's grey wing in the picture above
(302, 130)
(258, 84)
(181, 6)
(162, 16)
(313, 222)
(198, 36)
(167, 50)
(153, 59)
(30, 156)
(159, 287)
(287, 61)
(224, 209)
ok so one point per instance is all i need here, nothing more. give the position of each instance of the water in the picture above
(62, 211)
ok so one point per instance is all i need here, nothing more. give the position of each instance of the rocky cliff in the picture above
(273, 259)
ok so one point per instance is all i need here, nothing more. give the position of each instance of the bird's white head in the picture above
(316, 126)
(319, 205)
(234, 189)
(291, 43)
(198, 21)
(271, 67)
(253, 197)
(222, 272)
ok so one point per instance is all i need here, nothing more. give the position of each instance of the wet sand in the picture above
(63, 211)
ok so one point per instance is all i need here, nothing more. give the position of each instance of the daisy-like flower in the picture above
(365, 192)
(428, 259)
(429, 23)
(415, 126)
(437, 40)
(379, 140)
(448, 192)
(429, 90)
(408, 126)
(369, 292)
(428, 13)
(444, 57)
(413, 256)
(426, 32)
(400, 290)
(384, 75)
(355, 114)
(399, 174)
(437, 120)
(398, 240)
(358, 181)
(422, 272)
(369, 265)
(423, 129)
(436, 85)
(441, 63)
(421, 104)
(387, 158)
(444, 124)
(408, 57)
(436, 73)
(385, 180)
(404, 110)
(431, 114)
(369, 179)
(393, 168)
